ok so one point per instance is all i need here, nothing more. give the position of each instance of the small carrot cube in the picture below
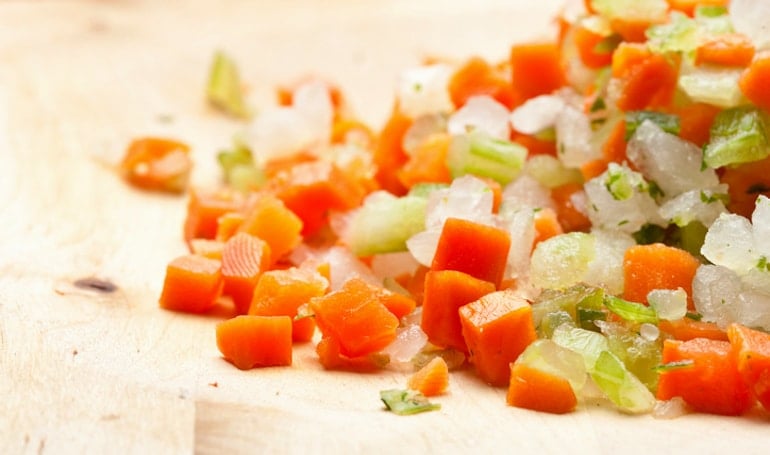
(192, 284)
(432, 379)
(476, 249)
(203, 212)
(270, 220)
(711, 383)
(356, 318)
(531, 388)
(445, 292)
(157, 164)
(477, 77)
(536, 69)
(244, 259)
(657, 266)
(497, 328)
(282, 292)
(751, 348)
(255, 341)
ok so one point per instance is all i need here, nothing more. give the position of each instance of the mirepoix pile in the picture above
(586, 220)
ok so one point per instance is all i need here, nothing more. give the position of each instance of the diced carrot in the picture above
(535, 389)
(428, 163)
(614, 150)
(650, 83)
(586, 42)
(414, 283)
(389, 154)
(567, 212)
(631, 30)
(755, 80)
(477, 77)
(204, 209)
(330, 357)
(269, 219)
(497, 328)
(657, 266)
(688, 6)
(432, 379)
(497, 192)
(275, 166)
(711, 383)
(546, 225)
(751, 348)
(695, 121)
(398, 304)
(159, 164)
(593, 168)
(728, 49)
(228, 224)
(534, 145)
(192, 284)
(244, 259)
(745, 183)
(211, 249)
(686, 329)
(311, 190)
(255, 341)
(536, 69)
(346, 131)
(445, 292)
(627, 56)
(476, 249)
(356, 317)
(282, 292)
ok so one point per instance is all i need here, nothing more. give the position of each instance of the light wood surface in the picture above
(82, 371)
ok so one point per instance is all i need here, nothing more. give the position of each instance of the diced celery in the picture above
(630, 311)
(562, 260)
(481, 155)
(224, 86)
(547, 356)
(551, 321)
(620, 385)
(679, 34)
(713, 19)
(619, 184)
(424, 189)
(585, 342)
(551, 172)
(712, 85)
(384, 223)
(639, 353)
(564, 300)
(643, 10)
(667, 122)
(239, 169)
(738, 135)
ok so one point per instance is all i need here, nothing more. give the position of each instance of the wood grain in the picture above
(86, 371)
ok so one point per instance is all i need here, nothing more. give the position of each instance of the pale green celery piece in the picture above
(424, 189)
(713, 19)
(224, 89)
(585, 342)
(549, 357)
(711, 85)
(630, 311)
(562, 260)
(640, 9)
(384, 225)
(555, 300)
(481, 155)
(551, 172)
(551, 321)
(667, 122)
(738, 135)
(407, 402)
(692, 236)
(640, 355)
(680, 34)
(620, 385)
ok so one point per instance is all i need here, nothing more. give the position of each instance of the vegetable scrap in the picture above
(587, 217)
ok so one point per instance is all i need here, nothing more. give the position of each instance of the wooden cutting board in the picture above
(88, 371)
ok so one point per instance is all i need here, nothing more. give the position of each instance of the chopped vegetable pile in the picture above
(586, 220)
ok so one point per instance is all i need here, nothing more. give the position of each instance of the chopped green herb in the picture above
(650, 233)
(693, 316)
(407, 402)
(667, 122)
(676, 365)
(630, 311)
(608, 44)
(598, 105)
